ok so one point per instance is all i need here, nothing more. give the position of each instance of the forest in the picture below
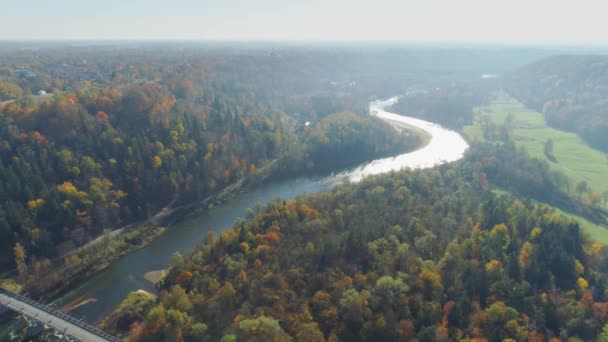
(570, 91)
(96, 155)
(449, 105)
(434, 255)
(95, 139)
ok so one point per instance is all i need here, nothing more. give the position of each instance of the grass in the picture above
(577, 160)
(574, 158)
(596, 232)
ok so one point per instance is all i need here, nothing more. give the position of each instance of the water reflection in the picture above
(444, 146)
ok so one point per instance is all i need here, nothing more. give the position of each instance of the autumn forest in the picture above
(106, 149)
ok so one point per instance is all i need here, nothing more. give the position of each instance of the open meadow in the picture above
(572, 156)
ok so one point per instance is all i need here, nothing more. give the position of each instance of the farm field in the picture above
(573, 157)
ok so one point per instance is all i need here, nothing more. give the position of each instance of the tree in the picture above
(177, 259)
(102, 117)
(406, 330)
(177, 299)
(261, 329)
(20, 255)
(199, 330)
(548, 149)
(35, 204)
(309, 332)
(581, 286)
(229, 338)
(157, 162)
(594, 198)
(388, 290)
(431, 283)
(499, 313)
(9, 91)
(176, 321)
(156, 319)
(581, 188)
(354, 308)
(70, 190)
(603, 336)
(561, 180)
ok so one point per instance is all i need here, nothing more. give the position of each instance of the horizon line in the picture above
(309, 41)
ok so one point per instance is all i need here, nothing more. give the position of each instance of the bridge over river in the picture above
(54, 318)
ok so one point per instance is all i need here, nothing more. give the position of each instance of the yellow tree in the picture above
(157, 162)
(431, 283)
(594, 198)
(20, 256)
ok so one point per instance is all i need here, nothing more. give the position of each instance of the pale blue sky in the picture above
(548, 21)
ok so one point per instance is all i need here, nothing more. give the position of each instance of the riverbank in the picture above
(401, 124)
(405, 128)
(121, 320)
(100, 253)
(196, 209)
(442, 146)
(89, 262)
(68, 296)
(190, 226)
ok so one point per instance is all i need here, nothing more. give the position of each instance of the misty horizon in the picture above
(469, 22)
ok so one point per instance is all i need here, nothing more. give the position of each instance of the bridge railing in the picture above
(61, 315)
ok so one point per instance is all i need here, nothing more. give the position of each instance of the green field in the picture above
(594, 231)
(573, 157)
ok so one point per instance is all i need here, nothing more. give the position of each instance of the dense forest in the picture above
(271, 73)
(432, 255)
(346, 139)
(450, 106)
(104, 154)
(76, 164)
(96, 138)
(571, 91)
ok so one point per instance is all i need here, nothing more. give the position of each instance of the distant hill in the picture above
(571, 91)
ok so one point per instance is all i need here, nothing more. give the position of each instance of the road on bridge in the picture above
(53, 318)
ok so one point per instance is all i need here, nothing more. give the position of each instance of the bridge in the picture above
(54, 318)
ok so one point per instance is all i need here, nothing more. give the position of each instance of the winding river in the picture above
(108, 288)
(444, 146)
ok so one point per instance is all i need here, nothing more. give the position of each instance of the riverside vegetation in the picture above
(432, 254)
(77, 164)
(465, 251)
(427, 255)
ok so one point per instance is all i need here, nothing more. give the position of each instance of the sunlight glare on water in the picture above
(445, 146)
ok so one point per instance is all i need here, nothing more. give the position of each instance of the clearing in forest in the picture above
(572, 156)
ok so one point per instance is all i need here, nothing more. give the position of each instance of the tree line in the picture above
(431, 255)
(570, 91)
(77, 164)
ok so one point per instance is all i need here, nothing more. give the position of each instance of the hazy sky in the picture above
(552, 21)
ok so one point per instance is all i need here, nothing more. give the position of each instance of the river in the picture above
(444, 146)
(105, 290)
